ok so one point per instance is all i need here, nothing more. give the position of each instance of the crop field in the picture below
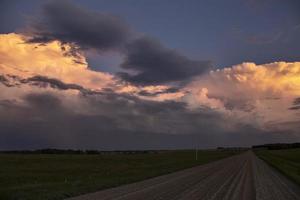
(53, 176)
(287, 161)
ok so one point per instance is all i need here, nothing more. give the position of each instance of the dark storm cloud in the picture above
(39, 81)
(152, 94)
(44, 101)
(30, 125)
(295, 108)
(46, 82)
(115, 122)
(297, 101)
(296, 104)
(43, 81)
(4, 80)
(154, 63)
(69, 23)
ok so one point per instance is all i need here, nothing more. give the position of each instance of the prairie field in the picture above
(287, 161)
(54, 176)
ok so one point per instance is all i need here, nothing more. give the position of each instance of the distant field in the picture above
(287, 161)
(45, 176)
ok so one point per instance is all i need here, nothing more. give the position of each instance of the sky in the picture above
(137, 74)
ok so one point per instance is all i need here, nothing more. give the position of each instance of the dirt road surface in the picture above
(240, 177)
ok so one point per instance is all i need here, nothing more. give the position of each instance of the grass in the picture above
(286, 161)
(45, 176)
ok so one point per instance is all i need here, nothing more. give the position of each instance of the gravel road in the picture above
(240, 177)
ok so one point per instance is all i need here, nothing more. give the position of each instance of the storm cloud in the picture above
(51, 96)
(147, 58)
(153, 63)
(296, 104)
(112, 121)
(69, 23)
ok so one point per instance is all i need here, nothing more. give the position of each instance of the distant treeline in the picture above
(277, 146)
(233, 148)
(71, 151)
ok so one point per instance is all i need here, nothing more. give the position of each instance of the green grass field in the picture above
(45, 176)
(286, 161)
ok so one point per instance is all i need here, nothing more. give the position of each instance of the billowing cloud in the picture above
(48, 93)
(52, 60)
(153, 63)
(265, 92)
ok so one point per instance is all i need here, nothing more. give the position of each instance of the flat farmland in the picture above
(51, 176)
(287, 161)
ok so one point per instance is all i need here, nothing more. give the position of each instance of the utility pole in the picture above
(196, 153)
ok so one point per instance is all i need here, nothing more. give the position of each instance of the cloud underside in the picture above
(49, 119)
(156, 64)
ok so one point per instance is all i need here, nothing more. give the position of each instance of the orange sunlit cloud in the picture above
(263, 91)
(25, 59)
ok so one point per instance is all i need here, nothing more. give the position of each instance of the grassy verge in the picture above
(286, 161)
(46, 176)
